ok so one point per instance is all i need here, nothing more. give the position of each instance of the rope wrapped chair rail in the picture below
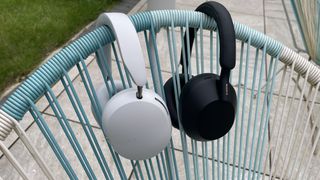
(6, 126)
(17, 104)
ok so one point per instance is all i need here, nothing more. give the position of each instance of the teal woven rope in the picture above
(163, 18)
(17, 105)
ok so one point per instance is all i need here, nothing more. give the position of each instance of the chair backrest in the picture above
(275, 133)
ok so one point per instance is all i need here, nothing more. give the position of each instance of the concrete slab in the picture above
(25, 123)
(66, 104)
(252, 7)
(27, 162)
(97, 80)
(278, 29)
(58, 88)
(297, 35)
(291, 121)
(42, 104)
(201, 169)
(288, 156)
(222, 144)
(274, 9)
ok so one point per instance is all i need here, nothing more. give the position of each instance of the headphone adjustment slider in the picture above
(139, 92)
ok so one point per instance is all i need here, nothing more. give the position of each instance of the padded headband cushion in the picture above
(225, 29)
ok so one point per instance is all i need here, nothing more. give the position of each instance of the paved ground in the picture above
(272, 17)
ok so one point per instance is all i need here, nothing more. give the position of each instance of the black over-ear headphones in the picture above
(207, 103)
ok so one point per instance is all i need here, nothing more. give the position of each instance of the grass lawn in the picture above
(31, 29)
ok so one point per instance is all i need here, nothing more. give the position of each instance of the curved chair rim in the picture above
(49, 73)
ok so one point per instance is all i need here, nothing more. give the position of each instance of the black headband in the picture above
(226, 34)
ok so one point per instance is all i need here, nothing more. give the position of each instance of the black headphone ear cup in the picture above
(204, 115)
(171, 100)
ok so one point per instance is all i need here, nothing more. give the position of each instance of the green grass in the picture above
(31, 29)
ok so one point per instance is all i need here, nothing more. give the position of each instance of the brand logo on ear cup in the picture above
(227, 89)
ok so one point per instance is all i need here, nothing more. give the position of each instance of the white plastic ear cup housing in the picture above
(103, 95)
(137, 128)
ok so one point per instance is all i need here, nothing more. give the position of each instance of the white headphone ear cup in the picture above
(137, 128)
(103, 96)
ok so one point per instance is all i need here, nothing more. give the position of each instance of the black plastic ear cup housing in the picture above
(204, 116)
(171, 100)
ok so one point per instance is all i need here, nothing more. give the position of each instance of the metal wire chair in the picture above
(275, 134)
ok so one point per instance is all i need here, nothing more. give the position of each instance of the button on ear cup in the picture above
(204, 116)
(103, 96)
(171, 100)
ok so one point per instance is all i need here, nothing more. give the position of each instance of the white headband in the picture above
(128, 43)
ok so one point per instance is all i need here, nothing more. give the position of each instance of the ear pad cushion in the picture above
(171, 100)
(203, 115)
(103, 96)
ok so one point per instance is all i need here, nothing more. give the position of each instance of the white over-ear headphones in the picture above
(135, 121)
